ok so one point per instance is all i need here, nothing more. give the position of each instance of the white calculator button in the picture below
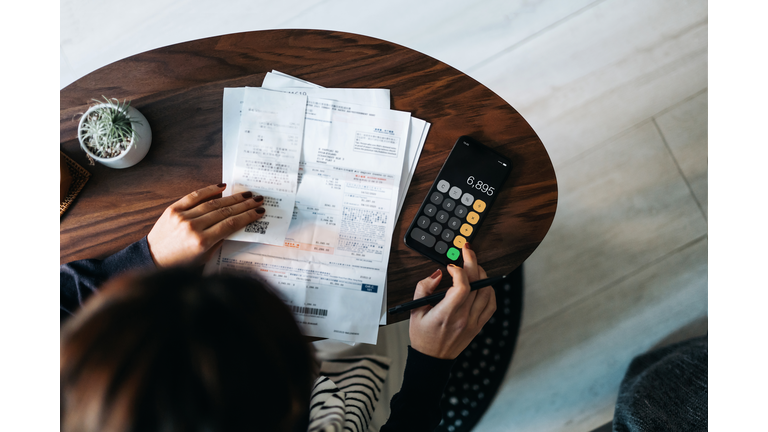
(455, 192)
(443, 186)
(467, 199)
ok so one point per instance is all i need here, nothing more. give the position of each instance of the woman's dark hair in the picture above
(175, 351)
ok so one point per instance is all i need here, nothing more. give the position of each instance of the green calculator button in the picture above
(453, 254)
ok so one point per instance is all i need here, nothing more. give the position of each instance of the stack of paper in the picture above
(334, 166)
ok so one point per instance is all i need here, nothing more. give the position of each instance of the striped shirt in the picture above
(346, 393)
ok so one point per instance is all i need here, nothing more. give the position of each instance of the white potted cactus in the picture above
(114, 134)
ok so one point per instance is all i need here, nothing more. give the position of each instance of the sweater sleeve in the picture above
(417, 406)
(79, 279)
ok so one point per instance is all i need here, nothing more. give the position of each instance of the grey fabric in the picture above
(665, 390)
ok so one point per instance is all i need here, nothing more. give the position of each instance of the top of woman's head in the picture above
(179, 352)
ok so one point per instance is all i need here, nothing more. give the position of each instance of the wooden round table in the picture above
(179, 89)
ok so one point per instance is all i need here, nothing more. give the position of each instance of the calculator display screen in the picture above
(458, 201)
(476, 168)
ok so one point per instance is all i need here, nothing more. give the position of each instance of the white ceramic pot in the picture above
(140, 141)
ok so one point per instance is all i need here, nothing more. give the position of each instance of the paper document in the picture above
(333, 265)
(370, 97)
(269, 146)
(417, 134)
(356, 161)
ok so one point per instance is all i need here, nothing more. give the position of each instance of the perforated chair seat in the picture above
(480, 369)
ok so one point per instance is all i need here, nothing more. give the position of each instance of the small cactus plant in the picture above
(107, 130)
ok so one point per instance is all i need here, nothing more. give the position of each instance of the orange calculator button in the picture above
(473, 217)
(479, 206)
(466, 230)
(459, 241)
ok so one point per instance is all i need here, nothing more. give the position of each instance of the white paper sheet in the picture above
(417, 134)
(269, 146)
(247, 253)
(332, 268)
(370, 97)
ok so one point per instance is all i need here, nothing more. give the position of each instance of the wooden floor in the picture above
(617, 91)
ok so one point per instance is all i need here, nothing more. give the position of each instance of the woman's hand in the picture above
(444, 330)
(189, 229)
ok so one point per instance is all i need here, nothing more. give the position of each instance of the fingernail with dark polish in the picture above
(247, 194)
(466, 245)
(221, 185)
(260, 210)
(258, 198)
(435, 274)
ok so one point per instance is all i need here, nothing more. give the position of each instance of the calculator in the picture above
(458, 201)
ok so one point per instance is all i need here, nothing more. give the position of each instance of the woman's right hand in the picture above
(443, 331)
(189, 229)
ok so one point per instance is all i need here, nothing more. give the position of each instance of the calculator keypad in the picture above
(423, 222)
(430, 210)
(422, 237)
(442, 216)
(436, 198)
(467, 199)
(448, 220)
(479, 206)
(453, 223)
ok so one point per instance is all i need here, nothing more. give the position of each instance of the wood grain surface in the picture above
(179, 90)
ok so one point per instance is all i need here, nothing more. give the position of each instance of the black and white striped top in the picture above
(346, 393)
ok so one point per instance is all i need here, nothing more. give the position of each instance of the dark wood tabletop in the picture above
(179, 90)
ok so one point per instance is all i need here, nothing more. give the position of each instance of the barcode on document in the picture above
(309, 311)
(257, 227)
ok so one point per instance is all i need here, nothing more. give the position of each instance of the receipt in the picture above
(374, 97)
(269, 146)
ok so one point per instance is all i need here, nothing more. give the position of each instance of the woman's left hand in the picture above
(189, 229)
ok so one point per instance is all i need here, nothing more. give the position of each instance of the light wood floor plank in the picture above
(620, 207)
(158, 23)
(603, 71)
(685, 130)
(567, 370)
(460, 33)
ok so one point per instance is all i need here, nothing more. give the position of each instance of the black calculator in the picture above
(458, 201)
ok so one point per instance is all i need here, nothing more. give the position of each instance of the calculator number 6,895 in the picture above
(479, 185)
